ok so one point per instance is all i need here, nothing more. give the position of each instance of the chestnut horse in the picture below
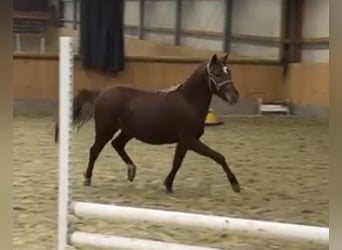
(157, 117)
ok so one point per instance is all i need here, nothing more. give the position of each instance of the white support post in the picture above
(18, 42)
(259, 106)
(288, 103)
(42, 45)
(65, 108)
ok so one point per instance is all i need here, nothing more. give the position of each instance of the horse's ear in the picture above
(213, 59)
(225, 58)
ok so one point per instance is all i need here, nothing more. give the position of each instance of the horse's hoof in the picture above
(87, 182)
(236, 187)
(168, 188)
(131, 170)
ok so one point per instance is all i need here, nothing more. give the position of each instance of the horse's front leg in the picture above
(202, 149)
(180, 153)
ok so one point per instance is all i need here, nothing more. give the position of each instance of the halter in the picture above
(212, 79)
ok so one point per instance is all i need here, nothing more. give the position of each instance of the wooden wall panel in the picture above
(308, 84)
(37, 79)
(259, 81)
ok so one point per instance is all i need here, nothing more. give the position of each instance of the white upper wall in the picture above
(250, 17)
(160, 14)
(316, 18)
(257, 17)
(131, 16)
(257, 51)
(315, 55)
(163, 38)
(203, 15)
(316, 25)
(68, 9)
(208, 44)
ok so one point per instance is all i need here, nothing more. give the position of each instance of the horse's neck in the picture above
(196, 91)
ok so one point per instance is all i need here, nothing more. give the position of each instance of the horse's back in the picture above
(146, 115)
(110, 103)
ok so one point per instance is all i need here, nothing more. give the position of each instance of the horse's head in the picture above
(220, 79)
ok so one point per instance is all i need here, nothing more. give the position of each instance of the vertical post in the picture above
(228, 20)
(42, 45)
(259, 106)
(288, 103)
(282, 34)
(17, 42)
(178, 21)
(74, 14)
(292, 30)
(65, 111)
(294, 25)
(141, 18)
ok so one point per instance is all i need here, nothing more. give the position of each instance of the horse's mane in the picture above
(169, 90)
(174, 88)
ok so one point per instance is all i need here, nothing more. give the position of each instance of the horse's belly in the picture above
(152, 129)
(156, 139)
(154, 135)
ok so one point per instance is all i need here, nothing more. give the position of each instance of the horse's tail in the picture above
(83, 108)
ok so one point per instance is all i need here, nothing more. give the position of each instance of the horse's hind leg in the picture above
(102, 136)
(119, 144)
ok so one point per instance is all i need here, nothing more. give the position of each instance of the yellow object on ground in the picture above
(211, 119)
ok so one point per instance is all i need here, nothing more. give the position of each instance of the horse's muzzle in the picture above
(232, 98)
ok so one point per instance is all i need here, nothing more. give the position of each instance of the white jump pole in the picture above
(256, 228)
(65, 107)
(108, 242)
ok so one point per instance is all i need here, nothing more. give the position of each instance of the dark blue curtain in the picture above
(102, 35)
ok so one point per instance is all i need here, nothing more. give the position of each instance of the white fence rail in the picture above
(255, 228)
(108, 242)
